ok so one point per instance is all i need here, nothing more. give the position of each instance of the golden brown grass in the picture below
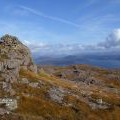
(44, 108)
(38, 104)
(47, 78)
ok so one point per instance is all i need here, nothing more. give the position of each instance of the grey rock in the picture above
(98, 104)
(34, 84)
(33, 68)
(10, 104)
(24, 81)
(56, 94)
(12, 92)
(3, 111)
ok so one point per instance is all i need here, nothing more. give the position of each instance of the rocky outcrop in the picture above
(13, 56)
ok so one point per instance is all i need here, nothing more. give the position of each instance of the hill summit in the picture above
(75, 92)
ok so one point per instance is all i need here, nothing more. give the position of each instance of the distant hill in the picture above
(108, 60)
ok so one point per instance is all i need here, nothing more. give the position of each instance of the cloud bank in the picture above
(112, 42)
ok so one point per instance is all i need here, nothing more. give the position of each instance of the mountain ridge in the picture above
(109, 60)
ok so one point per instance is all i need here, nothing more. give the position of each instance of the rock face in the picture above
(13, 56)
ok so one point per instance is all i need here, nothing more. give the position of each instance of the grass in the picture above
(39, 104)
(46, 78)
(78, 111)
(40, 107)
(109, 98)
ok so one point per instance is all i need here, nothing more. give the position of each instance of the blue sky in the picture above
(67, 25)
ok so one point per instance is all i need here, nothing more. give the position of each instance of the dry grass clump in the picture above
(28, 74)
(49, 79)
(45, 108)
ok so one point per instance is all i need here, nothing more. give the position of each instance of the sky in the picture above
(62, 26)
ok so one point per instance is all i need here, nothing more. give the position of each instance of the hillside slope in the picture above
(78, 92)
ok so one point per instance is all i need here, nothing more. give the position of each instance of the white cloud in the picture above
(113, 40)
(36, 47)
(26, 42)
